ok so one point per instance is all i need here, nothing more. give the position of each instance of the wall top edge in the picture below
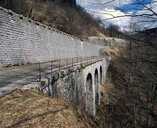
(19, 16)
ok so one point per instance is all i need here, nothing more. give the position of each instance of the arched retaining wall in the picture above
(78, 85)
(91, 103)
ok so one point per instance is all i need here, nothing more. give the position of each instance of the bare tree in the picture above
(134, 76)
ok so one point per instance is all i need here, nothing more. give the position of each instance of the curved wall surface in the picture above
(25, 41)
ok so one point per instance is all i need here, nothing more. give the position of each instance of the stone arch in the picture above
(101, 77)
(89, 94)
(96, 82)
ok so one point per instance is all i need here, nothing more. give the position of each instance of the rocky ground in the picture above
(30, 109)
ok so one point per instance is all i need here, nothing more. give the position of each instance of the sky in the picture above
(105, 10)
(134, 6)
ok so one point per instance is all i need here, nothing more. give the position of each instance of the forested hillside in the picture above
(61, 14)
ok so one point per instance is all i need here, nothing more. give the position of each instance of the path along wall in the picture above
(25, 41)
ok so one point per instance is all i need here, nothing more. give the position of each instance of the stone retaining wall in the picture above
(25, 41)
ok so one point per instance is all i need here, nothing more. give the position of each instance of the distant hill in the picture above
(147, 36)
(61, 14)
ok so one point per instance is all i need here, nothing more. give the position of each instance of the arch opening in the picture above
(96, 81)
(89, 94)
(101, 75)
(89, 81)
